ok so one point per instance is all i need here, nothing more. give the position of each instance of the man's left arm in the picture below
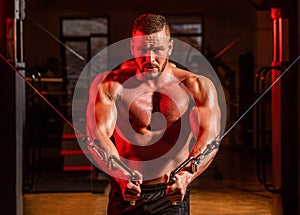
(205, 126)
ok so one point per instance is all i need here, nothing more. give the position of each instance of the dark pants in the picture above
(153, 201)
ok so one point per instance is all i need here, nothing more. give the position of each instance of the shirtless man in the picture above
(153, 110)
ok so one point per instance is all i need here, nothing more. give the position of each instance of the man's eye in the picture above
(159, 50)
(142, 50)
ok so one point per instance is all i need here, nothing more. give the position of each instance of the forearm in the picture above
(106, 144)
(177, 185)
(202, 167)
(109, 163)
(196, 164)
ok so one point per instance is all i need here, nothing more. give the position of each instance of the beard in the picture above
(151, 71)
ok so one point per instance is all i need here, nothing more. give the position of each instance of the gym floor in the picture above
(229, 186)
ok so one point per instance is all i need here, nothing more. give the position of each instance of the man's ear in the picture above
(131, 47)
(171, 42)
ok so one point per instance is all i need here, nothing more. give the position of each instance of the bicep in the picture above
(205, 117)
(105, 114)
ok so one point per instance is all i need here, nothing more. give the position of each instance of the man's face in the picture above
(151, 53)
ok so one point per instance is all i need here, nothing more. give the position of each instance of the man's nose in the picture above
(150, 57)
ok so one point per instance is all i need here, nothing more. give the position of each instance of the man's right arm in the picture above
(106, 116)
(101, 118)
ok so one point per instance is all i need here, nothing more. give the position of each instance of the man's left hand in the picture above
(176, 192)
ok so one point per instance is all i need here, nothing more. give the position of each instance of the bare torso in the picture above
(152, 133)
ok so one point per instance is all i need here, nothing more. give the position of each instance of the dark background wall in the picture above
(224, 22)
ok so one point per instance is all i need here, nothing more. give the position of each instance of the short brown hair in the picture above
(150, 23)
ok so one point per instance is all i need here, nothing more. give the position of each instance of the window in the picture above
(188, 29)
(84, 38)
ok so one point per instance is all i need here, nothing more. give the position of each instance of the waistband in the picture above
(154, 187)
(144, 188)
(147, 188)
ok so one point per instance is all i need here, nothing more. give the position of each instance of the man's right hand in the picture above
(131, 190)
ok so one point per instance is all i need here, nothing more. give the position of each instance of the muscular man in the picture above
(158, 115)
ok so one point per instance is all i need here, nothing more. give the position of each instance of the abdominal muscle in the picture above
(157, 158)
